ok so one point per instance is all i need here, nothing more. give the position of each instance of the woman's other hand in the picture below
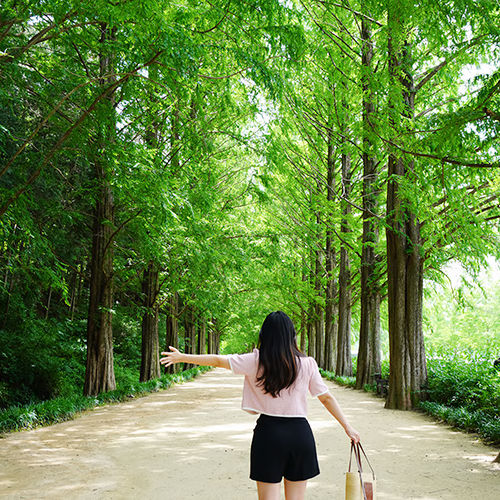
(172, 357)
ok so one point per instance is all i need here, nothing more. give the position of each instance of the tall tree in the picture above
(344, 360)
(404, 246)
(331, 304)
(99, 374)
(369, 361)
(150, 358)
(172, 325)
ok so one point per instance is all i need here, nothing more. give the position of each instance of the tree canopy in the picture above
(170, 173)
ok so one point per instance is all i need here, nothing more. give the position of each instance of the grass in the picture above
(487, 426)
(340, 379)
(30, 416)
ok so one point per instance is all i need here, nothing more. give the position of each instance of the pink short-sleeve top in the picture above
(291, 402)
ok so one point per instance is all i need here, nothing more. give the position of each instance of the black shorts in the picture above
(283, 447)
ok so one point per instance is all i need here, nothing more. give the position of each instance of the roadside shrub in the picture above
(464, 391)
(472, 421)
(340, 379)
(461, 382)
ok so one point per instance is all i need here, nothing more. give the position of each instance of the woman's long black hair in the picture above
(278, 353)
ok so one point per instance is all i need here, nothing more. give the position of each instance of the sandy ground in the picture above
(192, 441)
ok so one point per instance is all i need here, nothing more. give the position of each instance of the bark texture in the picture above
(150, 359)
(344, 359)
(319, 320)
(190, 334)
(214, 335)
(150, 352)
(311, 332)
(408, 371)
(202, 336)
(99, 373)
(331, 308)
(369, 359)
(172, 329)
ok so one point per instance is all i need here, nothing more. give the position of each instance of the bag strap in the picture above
(350, 455)
(357, 449)
(366, 458)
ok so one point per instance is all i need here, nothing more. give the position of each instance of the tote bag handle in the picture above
(357, 449)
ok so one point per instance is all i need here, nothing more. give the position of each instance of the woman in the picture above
(277, 379)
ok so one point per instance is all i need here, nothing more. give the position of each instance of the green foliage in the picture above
(487, 426)
(46, 362)
(341, 380)
(464, 391)
(61, 409)
(233, 212)
(467, 381)
(462, 315)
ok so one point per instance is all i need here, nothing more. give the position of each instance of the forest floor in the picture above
(192, 441)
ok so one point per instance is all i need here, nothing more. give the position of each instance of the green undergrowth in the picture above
(346, 381)
(339, 379)
(487, 426)
(351, 381)
(464, 392)
(60, 409)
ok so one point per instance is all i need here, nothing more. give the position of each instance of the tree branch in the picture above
(106, 93)
(360, 14)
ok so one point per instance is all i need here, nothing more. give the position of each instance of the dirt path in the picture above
(192, 441)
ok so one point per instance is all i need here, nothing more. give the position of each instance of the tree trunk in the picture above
(319, 333)
(311, 332)
(369, 360)
(331, 325)
(303, 331)
(75, 281)
(210, 338)
(408, 371)
(99, 373)
(11, 287)
(311, 337)
(202, 336)
(150, 359)
(344, 360)
(214, 338)
(172, 329)
(319, 320)
(217, 341)
(190, 334)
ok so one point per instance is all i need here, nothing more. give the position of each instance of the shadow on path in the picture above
(192, 441)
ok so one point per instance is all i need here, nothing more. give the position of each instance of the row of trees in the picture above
(208, 162)
(397, 172)
(124, 174)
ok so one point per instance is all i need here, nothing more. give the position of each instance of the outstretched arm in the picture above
(333, 407)
(174, 356)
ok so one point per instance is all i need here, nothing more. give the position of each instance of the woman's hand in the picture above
(333, 407)
(353, 434)
(172, 357)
